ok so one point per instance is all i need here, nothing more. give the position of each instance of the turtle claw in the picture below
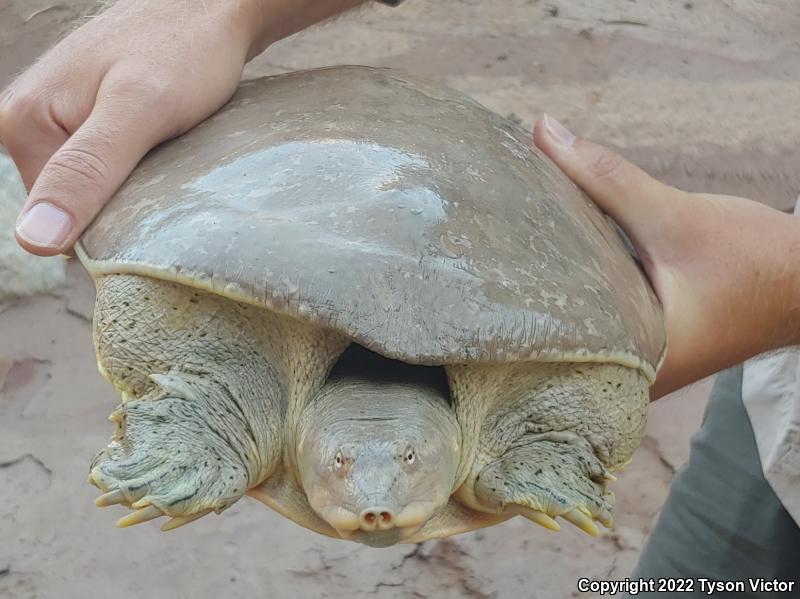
(111, 498)
(578, 518)
(605, 518)
(142, 515)
(179, 521)
(165, 455)
(539, 518)
(549, 478)
(145, 511)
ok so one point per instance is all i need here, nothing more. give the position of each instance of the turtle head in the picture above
(377, 459)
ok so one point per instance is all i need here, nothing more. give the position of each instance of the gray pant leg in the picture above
(721, 520)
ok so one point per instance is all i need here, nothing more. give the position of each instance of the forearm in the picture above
(274, 20)
(749, 303)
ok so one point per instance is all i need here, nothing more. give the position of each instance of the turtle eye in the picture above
(338, 461)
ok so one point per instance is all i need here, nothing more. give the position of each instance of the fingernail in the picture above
(558, 132)
(44, 225)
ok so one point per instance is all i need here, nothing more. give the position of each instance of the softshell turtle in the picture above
(366, 301)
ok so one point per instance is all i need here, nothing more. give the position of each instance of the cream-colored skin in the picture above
(550, 434)
(209, 390)
(221, 398)
(378, 448)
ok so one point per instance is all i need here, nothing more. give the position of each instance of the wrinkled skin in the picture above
(378, 449)
(210, 387)
(220, 400)
(256, 252)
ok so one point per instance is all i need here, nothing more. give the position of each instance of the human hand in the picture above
(726, 269)
(80, 119)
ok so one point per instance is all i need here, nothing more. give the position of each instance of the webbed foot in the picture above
(176, 455)
(549, 476)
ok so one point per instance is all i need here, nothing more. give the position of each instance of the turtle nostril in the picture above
(377, 519)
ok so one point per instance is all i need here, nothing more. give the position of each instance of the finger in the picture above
(623, 191)
(29, 133)
(85, 171)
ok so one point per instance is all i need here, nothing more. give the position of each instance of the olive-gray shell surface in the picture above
(397, 211)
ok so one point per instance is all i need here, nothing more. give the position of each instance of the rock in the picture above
(21, 274)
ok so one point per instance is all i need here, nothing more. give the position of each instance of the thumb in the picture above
(635, 200)
(80, 177)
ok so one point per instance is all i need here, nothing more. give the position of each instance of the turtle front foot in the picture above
(548, 476)
(175, 455)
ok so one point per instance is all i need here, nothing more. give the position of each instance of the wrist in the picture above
(768, 314)
(772, 303)
(269, 21)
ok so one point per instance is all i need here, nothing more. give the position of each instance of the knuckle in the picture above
(608, 165)
(18, 102)
(27, 99)
(24, 115)
(16, 109)
(86, 164)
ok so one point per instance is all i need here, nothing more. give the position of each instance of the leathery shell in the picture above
(397, 211)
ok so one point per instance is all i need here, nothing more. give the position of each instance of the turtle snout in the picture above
(377, 518)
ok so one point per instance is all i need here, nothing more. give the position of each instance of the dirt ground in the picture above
(702, 93)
